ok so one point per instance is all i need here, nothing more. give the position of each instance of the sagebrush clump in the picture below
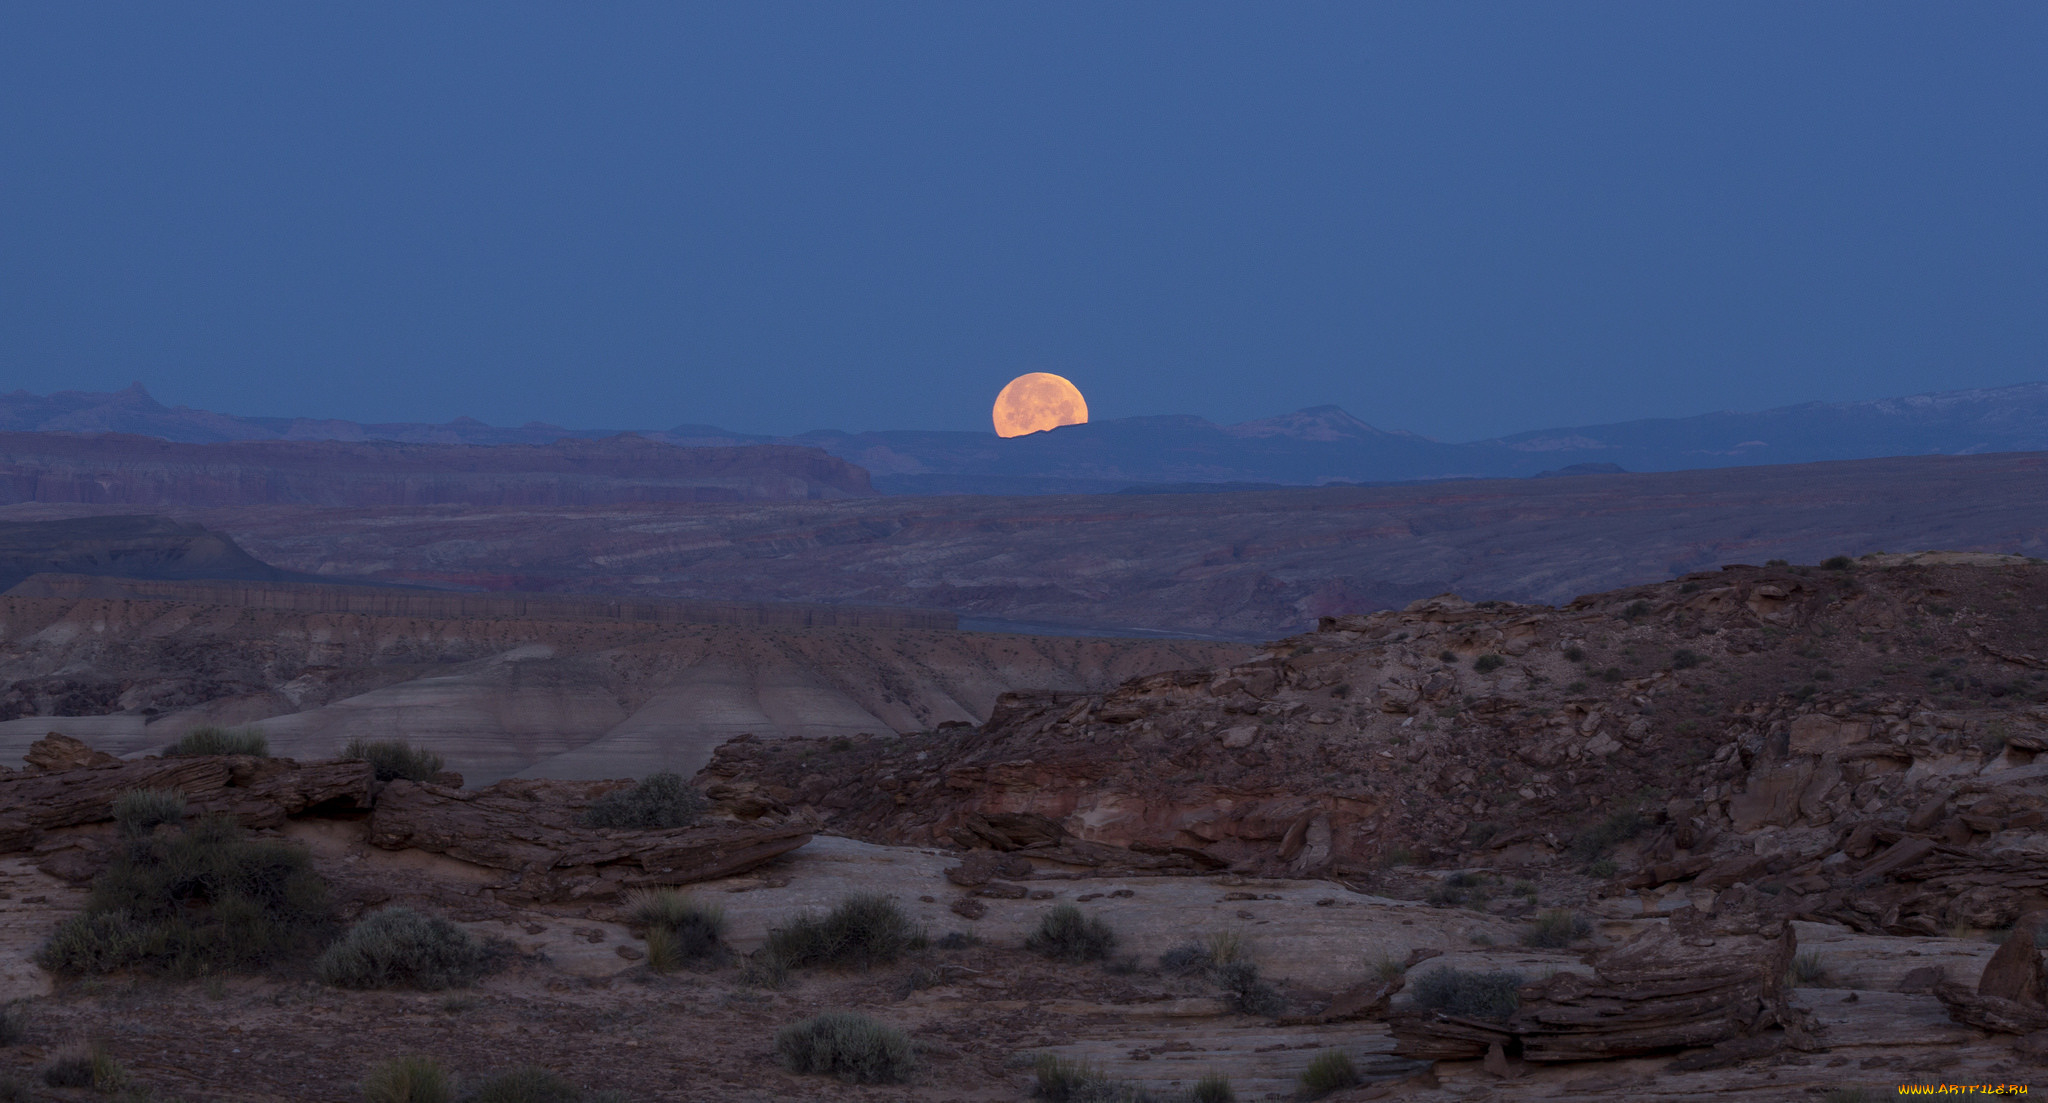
(1245, 992)
(661, 800)
(138, 812)
(1473, 995)
(1064, 934)
(1059, 1081)
(526, 1084)
(409, 1080)
(1556, 929)
(397, 947)
(212, 740)
(394, 759)
(863, 931)
(205, 898)
(678, 927)
(852, 1047)
(1330, 1071)
(92, 1067)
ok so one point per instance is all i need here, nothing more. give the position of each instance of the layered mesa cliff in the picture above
(119, 469)
(502, 684)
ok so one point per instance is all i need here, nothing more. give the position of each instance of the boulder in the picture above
(57, 751)
(1703, 979)
(2014, 972)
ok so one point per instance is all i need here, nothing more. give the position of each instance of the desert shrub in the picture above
(1473, 995)
(1605, 867)
(211, 740)
(1636, 610)
(1064, 934)
(1245, 992)
(1397, 856)
(206, 898)
(863, 931)
(13, 1025)
(527, 1084)
(852, 1047)
(1228, 946)
(1575, 654)
(1331, 1070)
(1682, 659)
(408, 1080)
(1448, 656)
(1386, 968)
(394, 759)
(137, 812)
(13, 1090)
(397, 947)
(661, 800)
(1837, 563)
(93, 1068)
(1619, 827)
(1213, 1088)
(1556, 929)
(1058, 1081)
(1808, 970)
(765, 969)
(1185, 959)
(1612, 675)
(679, 927)
(1487, 664)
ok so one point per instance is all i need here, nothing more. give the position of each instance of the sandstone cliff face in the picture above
(1859, 742)
(546, 696)
(117, 469)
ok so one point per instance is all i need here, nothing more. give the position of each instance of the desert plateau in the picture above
(1124, 552)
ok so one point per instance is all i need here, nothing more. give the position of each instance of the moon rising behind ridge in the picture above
(1038, 401)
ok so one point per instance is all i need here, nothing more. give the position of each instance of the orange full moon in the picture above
(1036, 402)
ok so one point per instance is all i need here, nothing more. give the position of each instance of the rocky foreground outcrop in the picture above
(530, 832)
(1705, 978)
(1858, 742)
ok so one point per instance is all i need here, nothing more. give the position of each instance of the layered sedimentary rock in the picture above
(1860, 741)
(392, 601)
(1252, 565)
(533, 830)
(551, 691)
(118, 469)
(260, 792)
(1703, 979)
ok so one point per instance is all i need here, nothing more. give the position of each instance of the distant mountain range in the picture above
(1320, 445)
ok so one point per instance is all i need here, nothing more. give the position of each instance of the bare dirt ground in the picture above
(571, 997)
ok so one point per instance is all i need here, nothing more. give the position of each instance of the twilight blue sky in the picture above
(1459, 219)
